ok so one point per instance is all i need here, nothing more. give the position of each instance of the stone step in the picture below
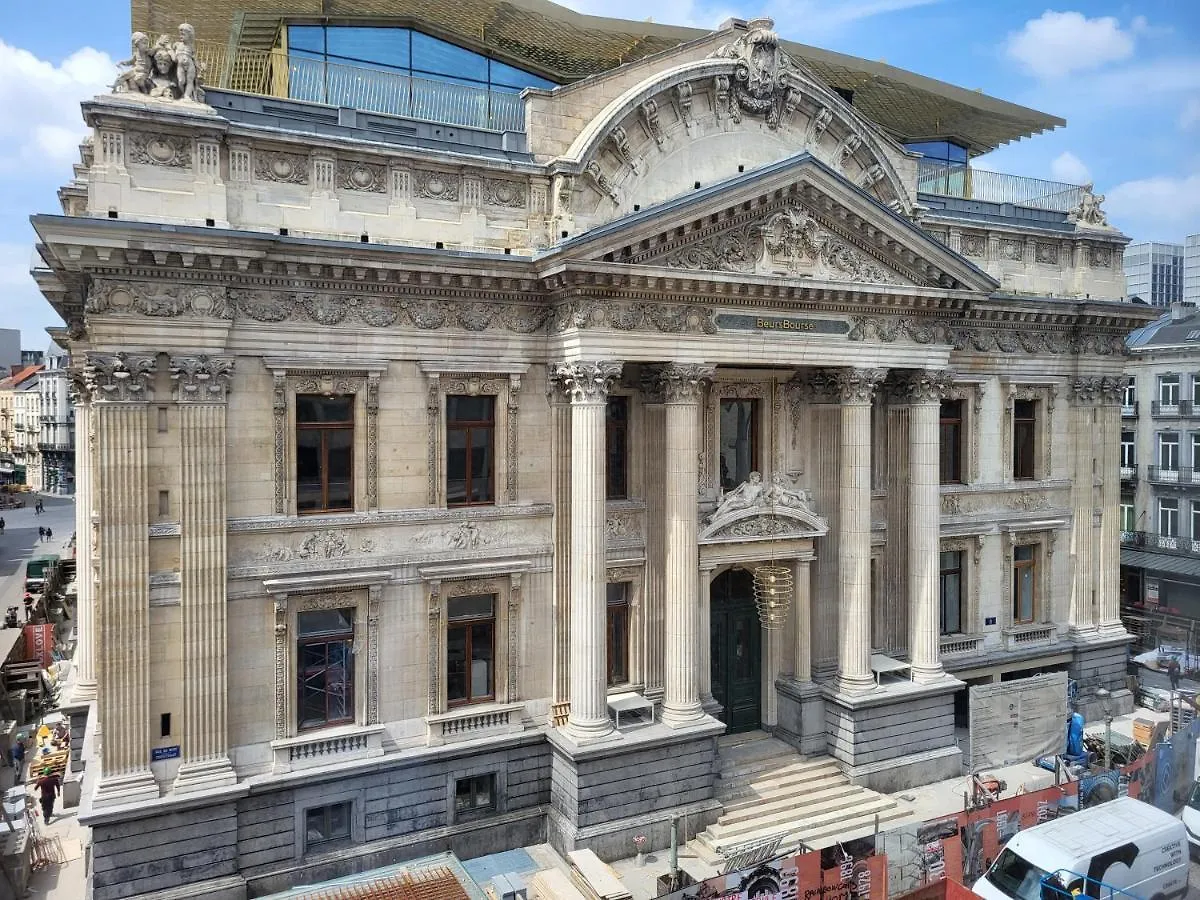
(810, 818)
(788, 802)
(751, 751)
(852, 828)
(794, 777)
(771, 766)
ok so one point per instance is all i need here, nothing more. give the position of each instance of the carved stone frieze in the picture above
(513, 626)
(321, 545)
(622, 315)
(974, 244)
(1047, 253)
(465, 535)
(684, 383)
(1001, 339)
(1012, 249)
(432, 185)
(1027, 501)
(165, 300)
(1097, 391)
(169, 150)
(361, 176)
(624, 526)
(283, 168)
(373, 593)
(765, 79)
(503, 192)
(617, 574)
(471, 587)
(435, 645)
(585, 382)
(1100, 257)
(201, 378)
(281, 666)
(119, 377)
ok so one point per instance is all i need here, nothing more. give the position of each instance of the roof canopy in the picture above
(566, 46)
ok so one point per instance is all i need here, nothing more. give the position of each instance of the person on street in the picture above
(1173, 673)
(48, 787)
(41, 533)
(16, 756)
(1, 524)
(49, 534)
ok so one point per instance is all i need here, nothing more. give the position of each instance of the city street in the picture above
(20, 540)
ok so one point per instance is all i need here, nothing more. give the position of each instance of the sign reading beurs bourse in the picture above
(785, 325)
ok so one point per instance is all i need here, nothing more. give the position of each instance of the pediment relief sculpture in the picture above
(169, 70)
(763, 82)
(755, 509)
(788, 242)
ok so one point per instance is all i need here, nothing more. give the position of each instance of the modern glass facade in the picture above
(1154, 272)
(402, 71)
(1191, 269)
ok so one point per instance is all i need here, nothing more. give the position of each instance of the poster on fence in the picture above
(39, 644)
(817, 875)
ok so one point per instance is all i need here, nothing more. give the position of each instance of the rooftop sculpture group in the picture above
(169, 70)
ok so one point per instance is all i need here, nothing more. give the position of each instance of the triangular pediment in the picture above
(755, 510)
(794, 219)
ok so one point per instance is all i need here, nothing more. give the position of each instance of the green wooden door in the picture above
(736, 642)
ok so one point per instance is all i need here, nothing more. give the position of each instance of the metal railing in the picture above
(1163, 543)
(965, 183)
(274, 73)
(1129, 473)
(1180, 408)
(1129, 410)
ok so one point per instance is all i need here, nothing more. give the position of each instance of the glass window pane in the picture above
(481, 659)
(1024, 552)
(432, 55)
(462, 408)
(339, 454)
(481, 464)
(483, 792)
(456, 466)
(504, 74)
(315, 409)
(475, 606)
(456, 664)
(951, 603)
(308, 470)
(325, 621)
(463, 794)
(737, 442)
(306, 37)
(339, 820)
(1026, 593)
(376, 46)
(314, 824)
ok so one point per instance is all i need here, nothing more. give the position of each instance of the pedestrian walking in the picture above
(49, 534)
(16, 755)
(48, 786)
(1, 524)
(41, 533)
(1173, 673)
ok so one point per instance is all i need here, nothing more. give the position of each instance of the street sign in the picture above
(158, 754)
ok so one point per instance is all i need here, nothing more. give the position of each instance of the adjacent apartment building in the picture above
(452, 382)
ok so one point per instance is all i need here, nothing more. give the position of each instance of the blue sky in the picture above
(1126, 77)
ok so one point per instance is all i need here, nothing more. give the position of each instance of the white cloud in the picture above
(812, 16)
(1189, 116)
(1060, 43)
(1069, 168)
(40, 124)
(1161, 207)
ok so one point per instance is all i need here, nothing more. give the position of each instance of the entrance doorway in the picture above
(736, 640)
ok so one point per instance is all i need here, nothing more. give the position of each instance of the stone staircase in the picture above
(767, 788)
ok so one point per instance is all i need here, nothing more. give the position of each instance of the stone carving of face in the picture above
(141, 43)
(162, 61)
(187, 33)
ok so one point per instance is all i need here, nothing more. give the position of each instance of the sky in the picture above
(1126, 77)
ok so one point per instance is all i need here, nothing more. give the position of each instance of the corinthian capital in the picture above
(585, 382)
(201, 379)
(858, 385)
(119, 377)
(684, 383)
(923, 386)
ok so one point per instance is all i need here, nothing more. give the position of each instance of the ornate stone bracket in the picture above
(512, 626)
(435, 647)
(1097, 391)
(585, 382)
(373, 594)
(202, 378)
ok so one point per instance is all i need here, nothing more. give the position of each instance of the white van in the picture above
(1191, 817)
(1124, 844)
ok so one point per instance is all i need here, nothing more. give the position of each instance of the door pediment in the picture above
(754, 511)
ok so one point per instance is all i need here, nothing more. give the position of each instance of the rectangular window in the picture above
(474, 796)
(1196, 449)
(470, 443)
(1195, 535)
(1128, 515)
(1130, 392)
(618, 633)
(1024, 439)
(1168, 518)
(325, 667)
(951, 589)
(1127, 444)
(324, 453)
(470, 649)
(1168, 451)
(1195, 398)
(1024, 588)
(950, 442)
(616, 448)
(1168, 390)
(326, 825)
(739, 442)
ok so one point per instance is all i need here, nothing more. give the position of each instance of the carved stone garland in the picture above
(373, 593)
(514, 635)
(325, 382)
(281, 666)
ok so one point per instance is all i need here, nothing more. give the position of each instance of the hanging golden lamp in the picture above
(772, 594)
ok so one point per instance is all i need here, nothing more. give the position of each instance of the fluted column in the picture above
(857, 387)
(653, 437)
(704, 587)
(923, 391)
(1085, 395)
(201, 385)
(802, 610)
(560, 417)
(587, 385)
(1109, 445)
(119, 386)
(683, 389)
(85, 619)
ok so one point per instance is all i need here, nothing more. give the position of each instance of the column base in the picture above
(83, 692)
(854, 684)
(588, 730)
(683, 717)
(204, 775)
(801, 716)
(122, 790)
(1112, 629)
(928, 674)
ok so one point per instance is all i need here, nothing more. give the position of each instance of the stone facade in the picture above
(215, 274)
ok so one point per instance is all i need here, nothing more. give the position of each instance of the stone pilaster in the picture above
(704, 586)
(587, 385)
(1084, 398)
(802, 612)
(85, 619)
(654, 427)
(683, 387)
(119, 386)
(560, 443)
(201, 386)
(856, 388)
(1109, 442)
(923, 391)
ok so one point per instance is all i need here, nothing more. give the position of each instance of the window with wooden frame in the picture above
(474, 796)
(950, 442)
(327, 826)
(324, 453)
(1024, 440)
(950, 577)
(470, 649)
(325, 668)
(1024, 581)
(739, 448)
(616, 448)
(470, 450)
(618, 633)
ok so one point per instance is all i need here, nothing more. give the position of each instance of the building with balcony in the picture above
(20, 418)
(56, 437)
(423, 448)
(1160, 477)
(1154, 272)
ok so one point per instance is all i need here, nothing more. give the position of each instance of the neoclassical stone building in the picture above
(403, 453)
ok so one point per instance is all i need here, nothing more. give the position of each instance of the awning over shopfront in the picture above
(1161, 562)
